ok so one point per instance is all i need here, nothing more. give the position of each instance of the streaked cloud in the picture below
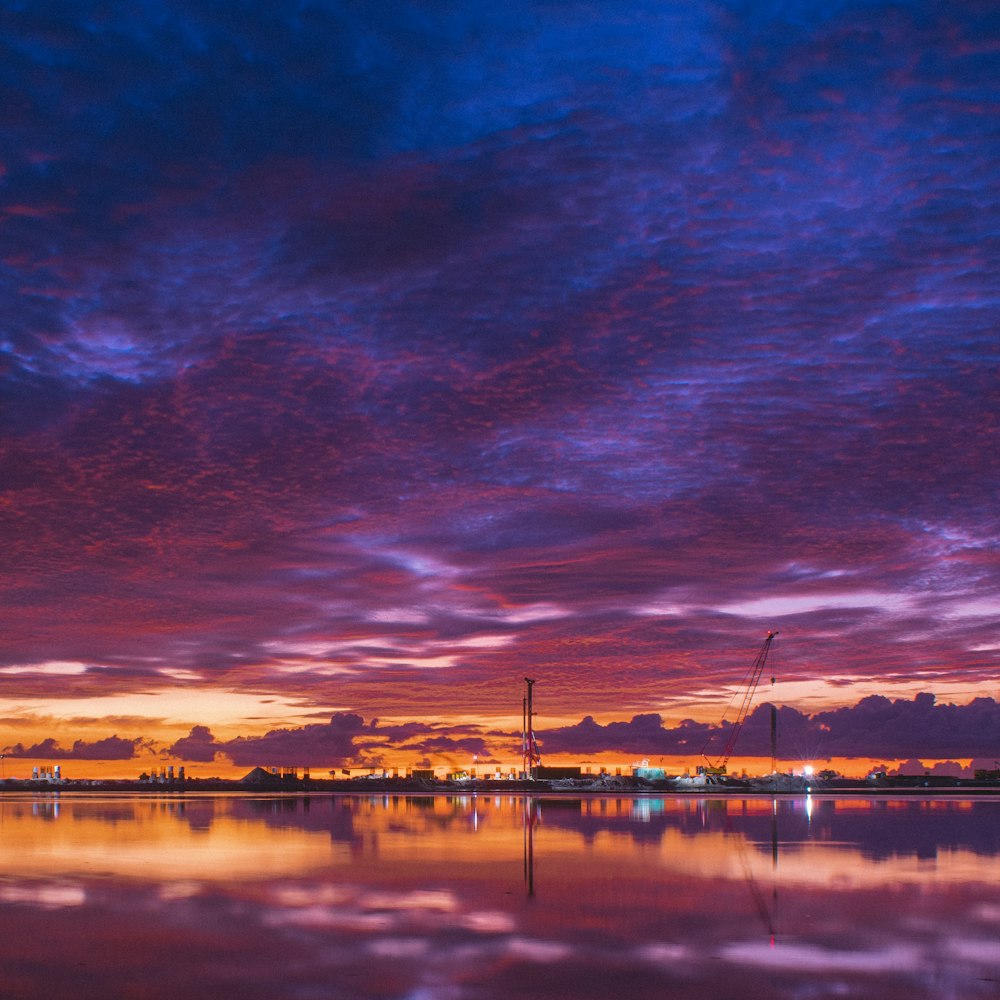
(344, 371)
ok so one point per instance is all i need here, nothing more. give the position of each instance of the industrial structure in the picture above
(717, 765)
(531, 759)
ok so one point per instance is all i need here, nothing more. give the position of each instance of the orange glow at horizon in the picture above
(401, 764)
(162, 716)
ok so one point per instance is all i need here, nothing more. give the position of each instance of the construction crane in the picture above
(745, 692)
(531, 759)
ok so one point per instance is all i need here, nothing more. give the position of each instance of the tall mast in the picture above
(524, 736)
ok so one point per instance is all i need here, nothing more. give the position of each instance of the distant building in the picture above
(549, 773)
(262, 777)
(48, 775)
(273, 777)
(648, 773)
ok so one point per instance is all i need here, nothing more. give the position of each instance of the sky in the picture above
(359, 360)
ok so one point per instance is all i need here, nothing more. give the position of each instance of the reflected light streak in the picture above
(659, 882)
(823, 960)
(46, 895)
(153, 840)
(245, 839)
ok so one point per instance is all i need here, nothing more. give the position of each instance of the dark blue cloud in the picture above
(415, 344)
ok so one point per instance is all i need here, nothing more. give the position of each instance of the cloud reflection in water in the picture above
(385, 896)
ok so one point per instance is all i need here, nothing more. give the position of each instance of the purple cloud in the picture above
(199, 745)
(320, 744)
(351, 354)
(111, 748)
(874, 727)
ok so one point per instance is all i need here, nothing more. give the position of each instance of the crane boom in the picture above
(747, 689)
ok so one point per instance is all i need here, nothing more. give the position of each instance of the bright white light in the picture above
(808, 770)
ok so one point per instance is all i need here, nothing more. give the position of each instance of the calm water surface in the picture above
(481, 897)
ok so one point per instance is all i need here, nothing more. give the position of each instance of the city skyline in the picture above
(360, 360)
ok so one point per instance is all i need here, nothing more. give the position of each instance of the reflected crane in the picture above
(530, 816)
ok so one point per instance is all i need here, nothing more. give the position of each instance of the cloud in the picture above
(874, 727)
(111, 748)
(340, 366)
(446, 746)
(643, 734)
(345, 739)
(313, 745)
(891, 728)
(198, 745)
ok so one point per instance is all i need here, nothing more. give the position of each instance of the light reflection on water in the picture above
(479, 897)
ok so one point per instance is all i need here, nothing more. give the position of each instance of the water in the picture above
(481, 897)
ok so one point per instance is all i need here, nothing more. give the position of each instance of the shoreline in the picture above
(897, 787)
